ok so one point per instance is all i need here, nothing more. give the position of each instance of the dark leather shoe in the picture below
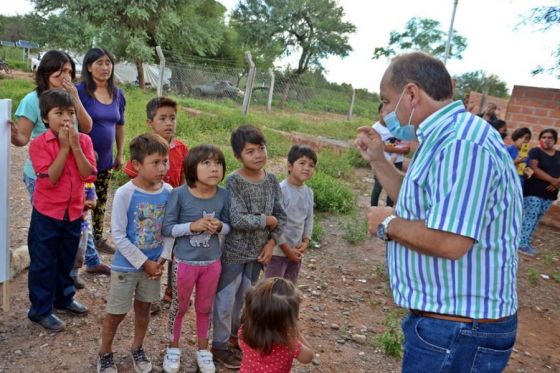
(100, 269)
(51, 322)
(76, 307)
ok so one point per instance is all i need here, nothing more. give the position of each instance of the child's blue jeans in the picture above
(52, 248)
(235, 281)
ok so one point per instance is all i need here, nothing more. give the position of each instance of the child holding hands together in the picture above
(257, 219)
(136, 222)
(62, 159)
(196, 213)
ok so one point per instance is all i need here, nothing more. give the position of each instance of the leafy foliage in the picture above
(331, 195)
(480, 82)
(547, 17)
(314, 28)
(422, 34)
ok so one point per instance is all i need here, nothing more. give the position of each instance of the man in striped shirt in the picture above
(451, 241)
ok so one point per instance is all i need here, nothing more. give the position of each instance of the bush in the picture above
(334, 165)
(318, 230)
(331, 195)
(355, 159)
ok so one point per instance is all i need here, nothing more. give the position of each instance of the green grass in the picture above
(533, 276)
(219, 119)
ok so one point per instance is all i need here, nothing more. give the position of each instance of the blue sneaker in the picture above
(528, 250)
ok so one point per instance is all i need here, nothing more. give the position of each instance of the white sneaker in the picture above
(171, 360)
(140, 361)
(205, 362)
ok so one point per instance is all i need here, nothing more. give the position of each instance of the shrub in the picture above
(331, 195)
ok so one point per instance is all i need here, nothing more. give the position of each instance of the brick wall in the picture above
(535, 108)
(475, 103)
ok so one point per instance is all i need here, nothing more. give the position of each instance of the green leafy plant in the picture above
(391, 340)
(331, 195)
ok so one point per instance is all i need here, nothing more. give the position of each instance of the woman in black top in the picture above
(542, 189)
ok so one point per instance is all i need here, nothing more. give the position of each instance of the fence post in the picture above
(161, 70)
(352, 104)
(250, 81)
(270, 91)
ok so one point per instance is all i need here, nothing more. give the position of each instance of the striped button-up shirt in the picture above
(462, 181)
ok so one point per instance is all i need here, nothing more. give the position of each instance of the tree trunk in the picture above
(285, 94)
(140, 71)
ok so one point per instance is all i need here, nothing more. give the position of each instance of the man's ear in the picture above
(415, 94)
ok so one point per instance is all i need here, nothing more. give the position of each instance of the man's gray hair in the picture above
(426, 71)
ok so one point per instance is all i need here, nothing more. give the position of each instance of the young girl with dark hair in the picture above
(195, 215)
(56, 70)
(269, 335)
(105, 103)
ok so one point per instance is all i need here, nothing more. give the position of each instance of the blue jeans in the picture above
(235, 282)
(30, 185)
(52, 248)
(434, 345)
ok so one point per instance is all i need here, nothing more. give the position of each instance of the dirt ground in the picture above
(346, 298)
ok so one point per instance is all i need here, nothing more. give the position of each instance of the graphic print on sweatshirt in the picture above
(202, 239)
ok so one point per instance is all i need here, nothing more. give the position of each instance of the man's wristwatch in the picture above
(383, 227)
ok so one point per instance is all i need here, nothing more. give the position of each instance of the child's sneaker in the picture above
(105, 363)
(204, 361)
(226, 358)
(140, 361)
(171, 360)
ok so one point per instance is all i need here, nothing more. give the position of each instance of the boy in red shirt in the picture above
(62, 159)
(162, 119)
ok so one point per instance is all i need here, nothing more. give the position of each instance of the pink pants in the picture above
(185, 278)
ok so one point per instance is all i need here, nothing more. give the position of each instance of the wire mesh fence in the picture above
(271, 90)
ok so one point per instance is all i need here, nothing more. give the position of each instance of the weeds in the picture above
(355, 229)
(318, 231)
(533, 276)
(391, 340)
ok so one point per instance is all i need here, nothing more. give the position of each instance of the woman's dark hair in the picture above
(521, 132)
(53, 98)
(52, 62)
(91, 56)
(199, 154)
(552, 131)
(270, 315)
(246, 134)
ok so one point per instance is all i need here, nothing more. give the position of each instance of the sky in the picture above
(497, 43)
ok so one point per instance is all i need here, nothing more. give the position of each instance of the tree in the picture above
(425, 35)
(131, 29)
(478, 81)
(273, 28)
(547, 17)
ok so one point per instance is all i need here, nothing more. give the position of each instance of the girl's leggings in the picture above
(534, 209)
(185, 278)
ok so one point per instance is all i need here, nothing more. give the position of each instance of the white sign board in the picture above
(5, 114)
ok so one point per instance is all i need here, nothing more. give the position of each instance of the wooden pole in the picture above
(351, 104)
(270, 91)
(161, 70)
(250, 81)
